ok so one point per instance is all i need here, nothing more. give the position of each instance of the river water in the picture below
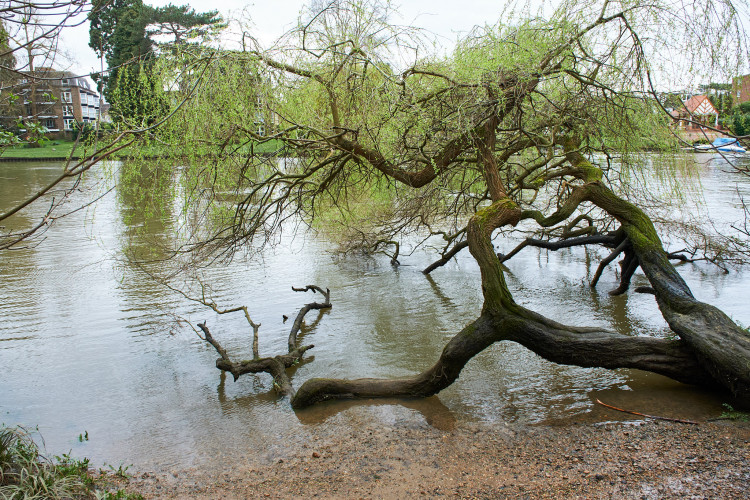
(85, 347)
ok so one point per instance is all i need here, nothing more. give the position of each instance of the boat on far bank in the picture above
(721, 144)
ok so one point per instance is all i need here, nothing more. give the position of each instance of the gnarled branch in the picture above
(275, 365)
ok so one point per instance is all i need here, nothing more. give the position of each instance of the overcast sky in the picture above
(271, 18)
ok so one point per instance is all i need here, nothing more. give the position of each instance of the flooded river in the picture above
(85, 348)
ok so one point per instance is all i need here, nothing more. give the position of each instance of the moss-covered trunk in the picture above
(503, 319)
(721, 346)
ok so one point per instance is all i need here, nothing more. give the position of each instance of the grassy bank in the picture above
(26, 472)
(62, 149)
(55, 149)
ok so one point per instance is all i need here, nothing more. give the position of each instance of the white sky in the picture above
(446, 18)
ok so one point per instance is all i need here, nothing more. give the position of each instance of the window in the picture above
(67, 97)
(49, 123)
(68, 110)
(261, 130)
(64, 81)
(69, 123)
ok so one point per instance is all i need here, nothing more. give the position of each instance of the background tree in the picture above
(122, 32)
(182, 24)
(9, 101)
(739, 122)
(720, 95)
(7, 57)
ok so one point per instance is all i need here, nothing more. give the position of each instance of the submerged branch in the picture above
(209, 338)
(607, 240)
(292, 342)
(446, 257)
(275, 365)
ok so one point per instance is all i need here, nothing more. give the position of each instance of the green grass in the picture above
(732, 414)
(54, 149)
(62, 149)
(26, 473)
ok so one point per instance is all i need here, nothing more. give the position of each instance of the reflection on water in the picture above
(84, 346)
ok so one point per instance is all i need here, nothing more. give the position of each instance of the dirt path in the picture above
(615, 460)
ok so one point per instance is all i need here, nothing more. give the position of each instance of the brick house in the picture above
(58, 100)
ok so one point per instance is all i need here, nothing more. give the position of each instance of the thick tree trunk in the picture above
(503, 319)
(558, 343)
(720, 345)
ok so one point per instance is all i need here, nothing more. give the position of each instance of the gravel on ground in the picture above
(623, 460)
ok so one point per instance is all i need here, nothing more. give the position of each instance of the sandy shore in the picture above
(641, 460)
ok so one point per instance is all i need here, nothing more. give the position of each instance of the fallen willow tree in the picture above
(712, 349)
(533, 125)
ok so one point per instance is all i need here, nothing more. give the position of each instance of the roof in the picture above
(700, 105)
(47, 73)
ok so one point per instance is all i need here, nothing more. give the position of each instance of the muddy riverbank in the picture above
(630, 459)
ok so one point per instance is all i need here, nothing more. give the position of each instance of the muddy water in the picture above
(84, 347)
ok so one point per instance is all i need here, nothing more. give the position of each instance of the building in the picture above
(741, 89)
(696, 113)
(58, 100)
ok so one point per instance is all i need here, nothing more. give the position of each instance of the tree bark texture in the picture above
(711, 350)
(720, 345)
